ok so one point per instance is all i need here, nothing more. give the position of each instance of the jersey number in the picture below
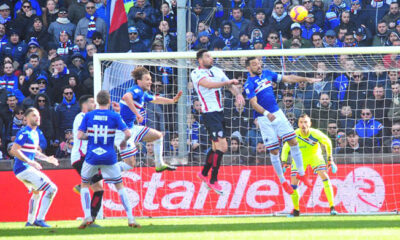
(100, 131)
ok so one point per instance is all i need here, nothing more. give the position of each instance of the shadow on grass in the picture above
(185, 228)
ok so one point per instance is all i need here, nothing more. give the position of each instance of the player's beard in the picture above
(208, 66)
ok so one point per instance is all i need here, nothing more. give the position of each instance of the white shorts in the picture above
(274, 132)
(137, 132)
(35, 179)
(110, 173)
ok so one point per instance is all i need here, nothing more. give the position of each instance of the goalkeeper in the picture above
(310, 140)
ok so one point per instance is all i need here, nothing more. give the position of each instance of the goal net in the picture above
(356, 105)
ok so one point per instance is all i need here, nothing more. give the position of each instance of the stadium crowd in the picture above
(47, 48)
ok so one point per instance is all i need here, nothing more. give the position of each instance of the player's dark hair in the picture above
(304, 115)
(29, 110)
(248, 60)
(84, 99)
(103, 98)
(137, 73)
(200, 53)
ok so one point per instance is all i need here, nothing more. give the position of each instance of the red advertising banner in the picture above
(247, 190)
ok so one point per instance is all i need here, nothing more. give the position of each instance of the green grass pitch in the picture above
(226, 228)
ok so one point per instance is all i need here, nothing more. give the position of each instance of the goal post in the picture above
(365, 183)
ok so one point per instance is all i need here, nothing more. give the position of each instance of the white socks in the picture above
(125, 203)
(33, 206)
(46, 202)
(298, 159)
(158, 152)
(85, 201)
(277, 166)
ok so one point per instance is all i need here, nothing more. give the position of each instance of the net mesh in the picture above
(358, 93)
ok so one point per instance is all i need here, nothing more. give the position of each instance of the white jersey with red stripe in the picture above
(80, 146)
(210, 98)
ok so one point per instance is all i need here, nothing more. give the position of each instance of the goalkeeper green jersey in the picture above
(309, 145)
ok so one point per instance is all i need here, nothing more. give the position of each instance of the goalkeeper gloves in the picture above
(284, 166)
(332, 166)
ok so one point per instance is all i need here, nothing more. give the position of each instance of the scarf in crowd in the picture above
(376, 4)
(69, 104)
(5, 20)
(91, 24)
(279, 18)
(63, 20)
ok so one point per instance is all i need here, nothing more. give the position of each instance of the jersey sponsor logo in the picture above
(136, 90)
(99, 151)
(263, 85)
(309, 140)
(20, 137)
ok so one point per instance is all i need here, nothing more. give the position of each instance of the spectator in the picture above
(349, 40)
(382, 35)
(354, 145)
(254, 135)
(315, 11)
(59, 78)
(296, 33)
(25, 18)
(198, 15)
(346, 23)
(227, 36)
(379, 10)
(193, 131)
(87, 85)
(341, 83)
(289, 105)
(260, 154)
(340, 34)
(35, 51)
(91, 23)
(341, 142)
(77, 11)
(98, 42)
(396, 146)
(359, 16)
(304, 94)
(3, 36)
(231, 5)
(369, 128)
(203, 41)
(239, 154)
(316, 40)
(338, 7)
(323, 112)
(174, 145)
(65, 47)
(149, 156)
(379, 104)
(190, 40)
(16, 124)
(66, 111)
(238, 22)
(39, 33)
(357, 90)
(272, 40)
(391, 17)
(332, 132)
(169, 39)
(394, 109)
(259, 22)
(379, 74)
(50, 13)
(136, 43)
(265, 6)
(33, 92)
(167, 15)
(244, 42)
(43, 86)
(15, 48)
(393, 79)
(363, 37)
(143, 17)
(64, 151)
(330, 39)
(90, 50)
(80, 41)
(280, 20)
(346, 119)
(5, 14)
(392, 38)
(292, 119)
(10, 82)
(395, 136)
(78, 68)
(61, 24)
(7, 112)
(309, 27)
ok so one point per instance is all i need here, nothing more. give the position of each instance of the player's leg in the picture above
(128, 154)
(112, 175)
(33, 207)
(151, 135)
(97, 198)
(39, 182)
(327, 188)
(295, 195)
(221, 146)
(88, 171)
(271, 142)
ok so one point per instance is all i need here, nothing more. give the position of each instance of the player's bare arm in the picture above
(163, 100)
(50, 159)
(261, 110)
(236, 92)
(209, 84)
(128, 98)
(295, 79)
(16, 152)
(82, 136)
